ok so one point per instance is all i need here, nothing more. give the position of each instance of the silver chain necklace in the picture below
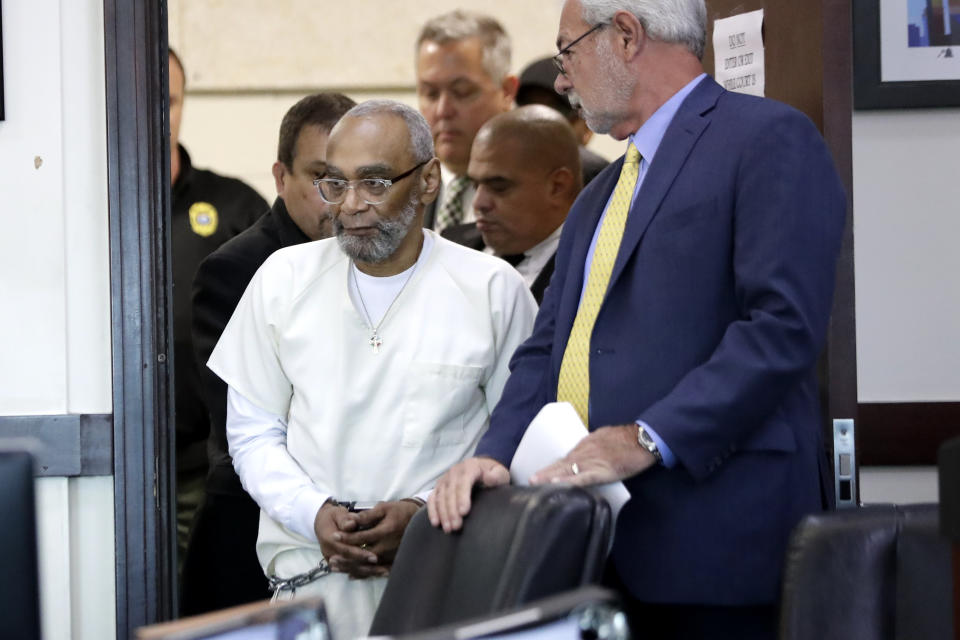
(375, 340)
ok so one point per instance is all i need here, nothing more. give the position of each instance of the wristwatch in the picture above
(647, 442)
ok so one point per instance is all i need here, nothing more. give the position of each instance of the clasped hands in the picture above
(362, 544)
(605, 455)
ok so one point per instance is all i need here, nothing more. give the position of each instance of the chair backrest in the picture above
(517, 545)
(876, 573)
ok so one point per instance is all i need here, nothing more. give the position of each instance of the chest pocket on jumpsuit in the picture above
(440, 399)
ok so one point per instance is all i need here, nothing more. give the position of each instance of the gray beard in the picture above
(600, 123)
(380, 247)
(615, 87)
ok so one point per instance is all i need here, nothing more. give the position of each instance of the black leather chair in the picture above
(948, 464)
(875, 573)
(517, 545)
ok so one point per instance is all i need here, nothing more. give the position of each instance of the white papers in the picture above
(551, 435)
(738, 53)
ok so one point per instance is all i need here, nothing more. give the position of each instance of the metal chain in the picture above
(292, 583)
(278, 584)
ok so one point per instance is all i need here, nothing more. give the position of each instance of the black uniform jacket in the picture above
(206, 210)
(221, 280)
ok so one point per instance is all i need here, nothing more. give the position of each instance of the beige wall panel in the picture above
(247, 65)
(248, 44)
(237, 134)
(173, 23)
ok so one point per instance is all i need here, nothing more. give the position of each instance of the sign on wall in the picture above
(738, 53)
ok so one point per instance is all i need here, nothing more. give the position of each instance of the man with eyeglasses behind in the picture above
(463, 80)
(359, 368)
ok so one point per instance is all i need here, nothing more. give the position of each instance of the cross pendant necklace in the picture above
(375, 340)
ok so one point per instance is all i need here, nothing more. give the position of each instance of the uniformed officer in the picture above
(206, 209)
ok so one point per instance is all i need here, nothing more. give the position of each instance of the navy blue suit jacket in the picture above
(711, 326)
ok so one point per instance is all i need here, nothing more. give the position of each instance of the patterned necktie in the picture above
(451, 211)
(574, 384)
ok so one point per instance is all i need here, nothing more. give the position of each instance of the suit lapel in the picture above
(678, 141)
(681, 136)
(543, 279)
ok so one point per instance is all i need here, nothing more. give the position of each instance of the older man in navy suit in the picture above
(690, 301)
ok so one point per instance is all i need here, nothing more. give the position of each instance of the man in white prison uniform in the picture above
(362, 367)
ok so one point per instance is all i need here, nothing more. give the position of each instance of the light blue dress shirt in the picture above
(647, 140)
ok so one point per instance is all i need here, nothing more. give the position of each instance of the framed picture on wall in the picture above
(906, 53)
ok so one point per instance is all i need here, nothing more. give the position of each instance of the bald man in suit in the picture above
(525, 168)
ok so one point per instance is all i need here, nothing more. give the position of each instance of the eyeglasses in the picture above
(558, 59)
(371, 190)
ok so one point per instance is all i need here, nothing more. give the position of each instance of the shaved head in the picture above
(540, 136)
(525, 165)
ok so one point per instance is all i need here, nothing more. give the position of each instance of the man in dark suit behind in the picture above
(463, 79)
(525, 168)
(690, 302)
(221, 568)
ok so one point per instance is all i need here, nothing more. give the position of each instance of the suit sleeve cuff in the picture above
(669, 460)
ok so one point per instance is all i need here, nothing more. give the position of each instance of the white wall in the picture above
(906, 192)
(54, 279)
(899, 485)
(906, 177)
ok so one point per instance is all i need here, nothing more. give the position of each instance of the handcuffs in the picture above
(291, 584)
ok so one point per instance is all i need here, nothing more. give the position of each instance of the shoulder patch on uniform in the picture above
(203, 218)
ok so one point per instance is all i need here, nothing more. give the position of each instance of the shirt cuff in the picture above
(669, 460)
(304, 512)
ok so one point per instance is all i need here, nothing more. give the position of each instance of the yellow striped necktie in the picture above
(574, 384)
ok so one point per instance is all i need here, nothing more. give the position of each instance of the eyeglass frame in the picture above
(352, 184)
(558, 59)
